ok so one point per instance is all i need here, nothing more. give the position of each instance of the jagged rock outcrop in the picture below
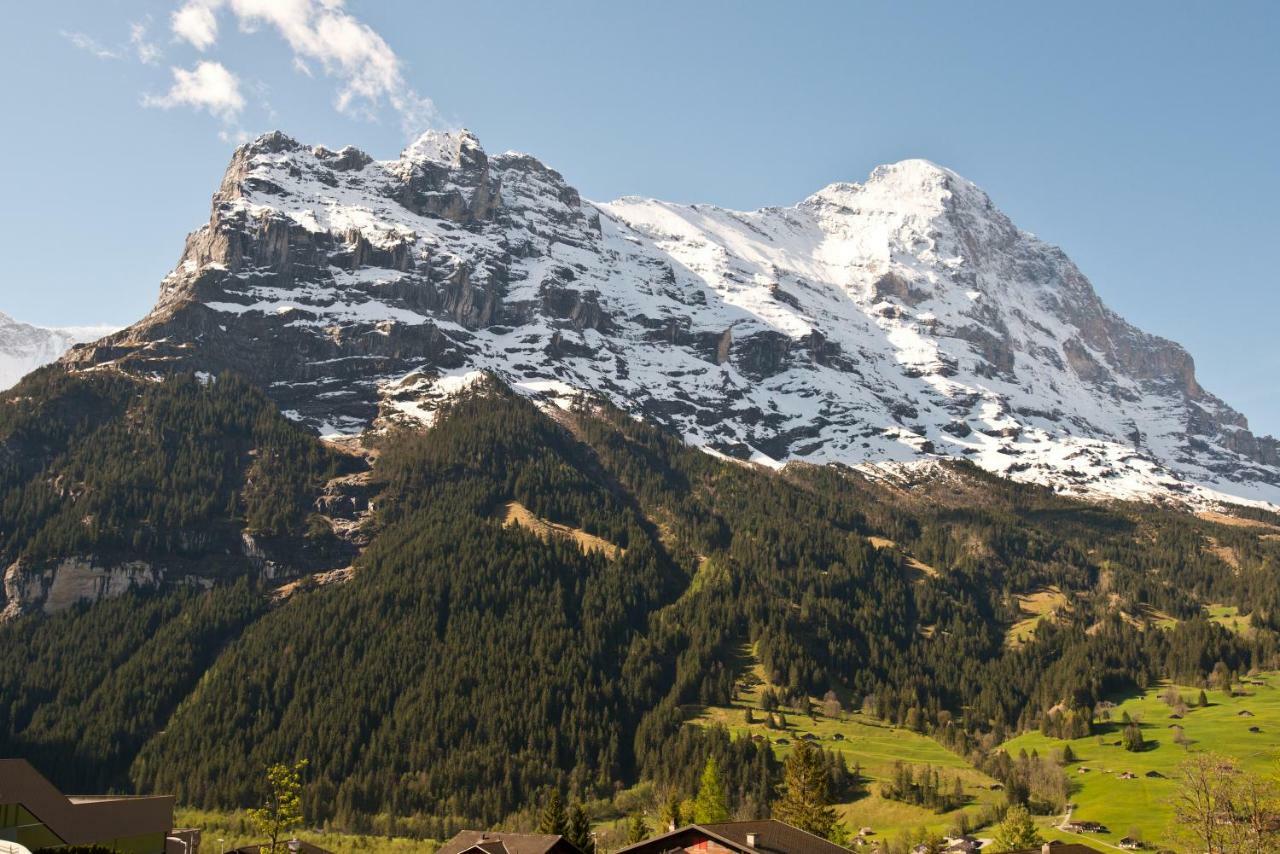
(890, 321)
(59, 584)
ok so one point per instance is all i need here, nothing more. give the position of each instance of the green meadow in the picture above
(225, 831)
(872, 745)
(1146, 804)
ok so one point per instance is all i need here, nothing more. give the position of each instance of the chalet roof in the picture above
(772, 837)
(1059, 848)
(491, 842)
(83, 820)
(287, 847)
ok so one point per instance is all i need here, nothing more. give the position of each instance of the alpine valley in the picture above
(463, 487)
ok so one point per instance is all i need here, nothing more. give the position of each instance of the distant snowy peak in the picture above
(447, 148)
(890, 322)
(24, 347)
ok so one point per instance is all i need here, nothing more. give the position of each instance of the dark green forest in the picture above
(468, 666)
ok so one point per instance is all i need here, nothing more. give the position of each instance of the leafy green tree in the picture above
(712, 803)
(553, 819)
(914, 721)
(281, 809)
(805, 793)
(1016, 831)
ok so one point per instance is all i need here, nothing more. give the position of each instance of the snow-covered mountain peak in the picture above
(913, 185)
(24, 347)
(913, 174)
(898, 320)
(448, 148)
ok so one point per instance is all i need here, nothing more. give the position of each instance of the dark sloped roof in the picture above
(1061, 848)
(772, 837)
(282, 848)
(775, 835)
(507, 843)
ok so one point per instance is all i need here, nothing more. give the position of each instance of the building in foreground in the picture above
(292, 846)
(34, 814)
(486, 842)
(736, 837)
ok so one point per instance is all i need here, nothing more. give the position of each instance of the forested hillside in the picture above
(469, 662)
(170, 471)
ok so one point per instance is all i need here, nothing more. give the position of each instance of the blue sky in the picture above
(1141, 137)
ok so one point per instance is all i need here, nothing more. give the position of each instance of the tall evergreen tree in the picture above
(553, 819)
(637, 829)
(579, 830)
(805, 794)
(712, 803)
(671, 815)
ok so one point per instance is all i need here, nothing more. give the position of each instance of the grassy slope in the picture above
(1229, 617)
(870, 743)
(1146, 803)
(1036, 607)
(224, 831)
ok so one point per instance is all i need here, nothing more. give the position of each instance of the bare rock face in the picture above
(886, 322)
(69, 581)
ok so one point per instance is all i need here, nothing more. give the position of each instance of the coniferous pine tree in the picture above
(804, 801)
(671, 815)
(712, 803)
(553, 820)
(579, 830)
(637, 829)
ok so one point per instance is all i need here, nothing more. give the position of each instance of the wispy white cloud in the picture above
(146, 50)
(143, 48)
(324, 33)
(91, 46)
(323, 38)
(209, 86)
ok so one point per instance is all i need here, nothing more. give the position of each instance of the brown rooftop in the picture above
(497, 842)
(82, 820)
(770, 837)
(1059, 848)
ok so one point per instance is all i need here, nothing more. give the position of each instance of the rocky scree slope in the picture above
(887, 323)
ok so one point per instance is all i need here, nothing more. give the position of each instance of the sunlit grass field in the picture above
(867, 742)
(1146, 804)
(225, 831)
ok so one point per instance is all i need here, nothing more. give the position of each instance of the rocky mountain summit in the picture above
(883, 324)
(24, 347)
